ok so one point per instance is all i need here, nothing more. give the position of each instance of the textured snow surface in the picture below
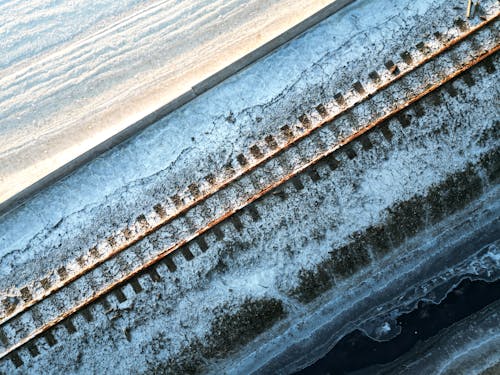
(69, 217)
(263, 259)
(158, 162)
(73, 74)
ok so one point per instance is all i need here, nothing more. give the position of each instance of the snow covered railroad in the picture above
(337, 158)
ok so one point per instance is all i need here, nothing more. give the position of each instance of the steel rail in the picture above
(262, 192)
(242, 172)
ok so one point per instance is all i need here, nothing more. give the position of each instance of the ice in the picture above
(68, 217)
(75, 74)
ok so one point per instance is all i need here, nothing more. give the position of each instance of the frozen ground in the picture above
(73, 74)
(132, 178)
(180, 324)
(169, 322)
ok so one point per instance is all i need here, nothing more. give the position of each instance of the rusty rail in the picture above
(256, 196)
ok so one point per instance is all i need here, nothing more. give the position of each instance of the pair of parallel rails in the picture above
(185, 220)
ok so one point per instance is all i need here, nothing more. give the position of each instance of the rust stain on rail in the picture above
(240, 174)
(255, 197)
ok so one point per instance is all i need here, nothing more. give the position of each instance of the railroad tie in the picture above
(386, 131)
(228, 170)
(202, 244)
(26, 294)
(304, 120)
(350, 152)
(450, 89)
(68, 324)
(374, 77)
(87, 314)
(490, 67)
(63, 273)
(422, 48)
(3, 338)
(210, 178)
(104, 303)
(9, 304)
(392, 68)
(438, 36)
(169, 262)
(50, 339)
(81, 261)
(242, 160)
(94, 252)
(186, 253)
(313, 174)
(136, 285)
(297, 183)
(365, 142)
(32, 349)
(160, 211)
(256, 152)
(143, 222)
(287, 132)
(153, 274)
(461, 24)
(406, 56)
(332, 161)
(322, 110)
(194, 190)
(219, 234)
(404, 119)
(418, 109)
(339, 98)
(280, 193)
(111, 241)
(271, 142)
(176, 200)
(237, 222)
(16, 360)
(435, 98)
(468, 79)
(120, 296)
(254, 214)
(358, 87)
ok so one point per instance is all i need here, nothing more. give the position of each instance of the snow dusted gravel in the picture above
(74, 74)
(202, 317)
(170, 326)
(72, 215)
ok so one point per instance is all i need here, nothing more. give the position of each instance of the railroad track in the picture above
(185, 220)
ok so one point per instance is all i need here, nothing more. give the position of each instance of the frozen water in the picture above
(73, 74)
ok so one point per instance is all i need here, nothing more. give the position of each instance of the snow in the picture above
(386, 328)
(74, 74)
(145, 161)
(68, 218)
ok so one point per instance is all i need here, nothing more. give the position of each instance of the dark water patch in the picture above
(357, 351)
